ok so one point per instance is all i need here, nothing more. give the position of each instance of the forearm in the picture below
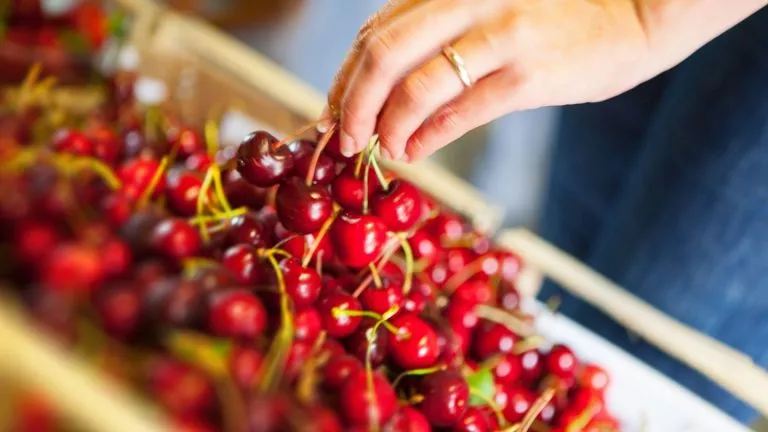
(677, 28)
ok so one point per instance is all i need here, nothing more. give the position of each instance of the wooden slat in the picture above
(731, 369)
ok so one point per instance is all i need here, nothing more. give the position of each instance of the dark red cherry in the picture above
(242, 260)
(186, 141)
(299, 245)
(492, 339)
(212, 278)
(119, 309)
(182, 191)
(357, 239)
(561, 362)
(363, 408)
(260, 162)
(474, 420)
(302, 284)
(236, 313)
(323, 419)
(446, 398)
(415, 345)
(74, 142)
(73, 269)
(33, 241)
(359, 346)
(325, 170)
(399, 206)
(175, 239)
(240, 193)
(137, 175)
(348, 189)
(335, 322)
(246, 229)
(381, 299)
(117, 258)
(519, 402)
(184, 306)
(338, 369)
(507, 296)
(302, 209)
(307, 324)
(245, 365)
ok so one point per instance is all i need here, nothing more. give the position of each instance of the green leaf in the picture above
(482, 387)
(117, 25)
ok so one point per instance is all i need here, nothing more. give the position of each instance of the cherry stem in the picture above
(219, 188)
(366, 175)
(491, 403)
(211, 131)
(318, 151)
(370, 337)
(278, 352)
(504, 318)
(201, 200)
(300, 132)
(536, 409)
(338, 312)
(359, 164)
(408, 265)
(190, 265)
(528, 344)
(583, 419)
(234, 411)
(240, 211)
(375, 164)
(319, 264)
(100, 168)
(159, 172)
(319, 238)
(417, 372)
(28, 83)
(463, 275)
(307, 382)
(375, 275)
(389, 251)
(276, 251)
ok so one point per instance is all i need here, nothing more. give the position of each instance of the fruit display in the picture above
(272, 286)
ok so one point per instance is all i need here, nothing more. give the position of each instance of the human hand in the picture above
(520, 55)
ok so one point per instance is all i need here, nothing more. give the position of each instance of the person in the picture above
(662, 186)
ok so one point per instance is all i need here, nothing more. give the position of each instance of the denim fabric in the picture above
(664, 190)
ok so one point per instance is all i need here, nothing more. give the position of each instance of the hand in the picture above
(521, 54)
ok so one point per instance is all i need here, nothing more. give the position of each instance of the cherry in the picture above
(333, 148)
(415, 345)
(359, 346)
(70, 141)
(308, 325)
(323, 420)
(107, 147)
(357, 239)
(492, 339)
(519, 402)
(561, 362)
(594, 378)
(198, 162)
(325, 170)
(415, 302)
(211, 278)
(533, 365)
(381, 299)
(150, 271)
(239, 192)
(399, 206)
(175, 239)
(300, 208)
(179, 388)
(335, 322)
(137, 175)
(458, 258)
(302, 284)
(192, 425)
(446, 398)
(425, 248)
(184, 306)
(364, 407)
(73, 268)
(260, 162)
(117, 258)
(461, 315)
(268, 413)
(236, 313)
(187, 142)
(299, 245)
(243, 262)
(248, 230)
(34, 240)
(348, 190)
(510, 265)
(474, 420)
(474, 291)
(446, 227)
(339, 368)
(508, 297)
(508, 369)
(182, 190)
(117, 209)
(409, 419)
(118, 310)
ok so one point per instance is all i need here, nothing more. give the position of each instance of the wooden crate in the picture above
(204, 68)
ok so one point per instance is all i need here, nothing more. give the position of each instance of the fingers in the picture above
(391, 10)
(487, 100)
(433, 85)
(391, 51)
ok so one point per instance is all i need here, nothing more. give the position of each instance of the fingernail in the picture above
(326, 125)
(347, 144)
(385, 154)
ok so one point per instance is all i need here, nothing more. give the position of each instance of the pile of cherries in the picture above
(276, 286)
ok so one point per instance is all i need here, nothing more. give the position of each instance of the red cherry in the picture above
(474, 291)
(302, 284)
(175, 239)
(297, 356)
(308, 325)
(299, 245)
(236, 313)
(199, 162)
(137, 175)
(561, 362)
(363, 408)
(117, 258)
(69, 141)
(415, 302)
(461, 315)
(302, 209)
(323, 420)
(474, 420)
(409, 419)
(357, 239)
(246, 229)
(519, 402)
(117, 209)
(325, 170)
(260, 162)
(333, 148)
(348, 190)
(415, 344)
(118, 310)
(179, 388)
(381, 299)
(399, 206)
(338, 369)
(508, 369)
(187, 142)
(182, 190)
(243, 262)
(446, 398)
(509, 264)
(458, 258)
(492, 339)
(594, 378)
(73, 268)
(533, 366)
(425, 248)
(337, 324)
(446, 227)
(33, 241)
(107, 147)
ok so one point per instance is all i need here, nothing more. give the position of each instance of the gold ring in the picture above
(458, 65)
